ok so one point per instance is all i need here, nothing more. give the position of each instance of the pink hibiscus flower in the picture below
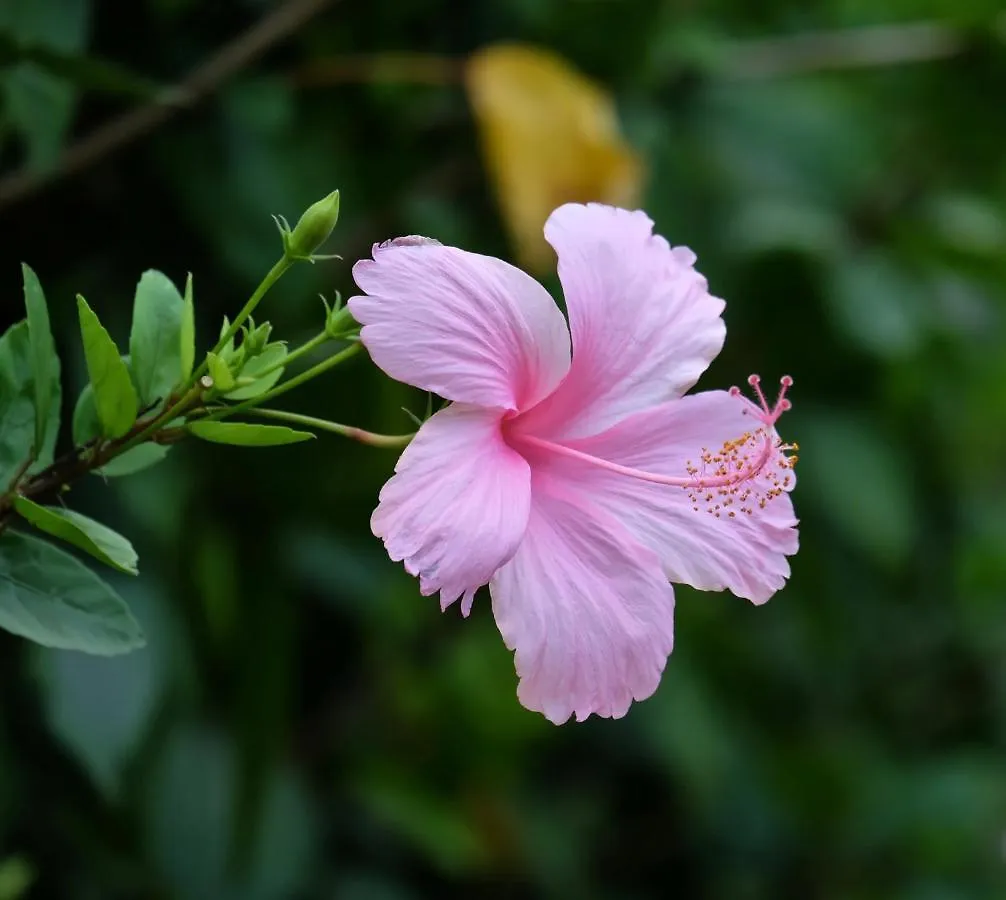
(576, 486)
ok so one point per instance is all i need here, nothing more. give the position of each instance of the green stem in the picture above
(182, 406)
(191, 387)
(356, 434)
(272, 276)
(294, 355)
(296, 381)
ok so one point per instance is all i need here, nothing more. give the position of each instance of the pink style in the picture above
(570, 472)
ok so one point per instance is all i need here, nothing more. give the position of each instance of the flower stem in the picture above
(192, 395)
(272, 276)
(294, 355)
(356, 434)
(296, 381)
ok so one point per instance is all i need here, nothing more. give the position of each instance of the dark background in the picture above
(303, 724)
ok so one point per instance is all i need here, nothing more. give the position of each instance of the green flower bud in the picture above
(337, 317)
(313, 229)
(256, 339)
(234, 357)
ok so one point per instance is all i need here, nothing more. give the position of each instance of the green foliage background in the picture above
(303, 724)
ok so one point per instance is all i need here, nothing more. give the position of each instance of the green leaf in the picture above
(155, 342)
(44, 361)
(190, 812)
(881, 306)
(193, 819)
(136, 460)
(84, 533)
(86, 428)
(38, 104)
(882, 519)
(269, 357)
(244, 434)
(187, 334)
(51, 598)
(80, 70)
(17, 407)
(17, 875)
(102, 710)
(223, 380)
(114, 396)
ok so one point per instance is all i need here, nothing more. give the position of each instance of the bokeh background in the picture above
(303, 724)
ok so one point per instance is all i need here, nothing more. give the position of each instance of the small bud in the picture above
(313, 229)
(234, 357)
(220, 372)
(337, 317)
(256, 339)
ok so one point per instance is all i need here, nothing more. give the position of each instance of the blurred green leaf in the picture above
(41, 106)
(114, 396)
(38, 103)
(285, 844)
(879, 305)
(17, 876)
(190, 821)
(861, 482)
(53, 599)
(155, 341)
(435, 824)
(17, 406)
(92, 537)
(190, 813)
(44, 361)
(968, 223)
(356, 886)
(135, 460)
(271, 356)
(766, 224)
(805, 140)
(244, 434)
(83, 72)
(102, 709)
(53, 23)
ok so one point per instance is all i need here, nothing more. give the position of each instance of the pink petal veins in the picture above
(468, 327)
(585, 607)
(643, 323)
(458, 504)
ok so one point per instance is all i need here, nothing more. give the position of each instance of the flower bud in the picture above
(256, 339)
(337, 317)
(314, 227)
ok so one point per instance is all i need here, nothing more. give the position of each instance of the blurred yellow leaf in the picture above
(549, 135)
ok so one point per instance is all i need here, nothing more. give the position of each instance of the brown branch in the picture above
(198, 84)
(848, 48)
(376, 68)
(79, 461)
(743, 60)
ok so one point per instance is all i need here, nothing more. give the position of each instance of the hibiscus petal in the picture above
(644, 325)
(585, 607)
(467, 327)
(458, 504)
(745, 553)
